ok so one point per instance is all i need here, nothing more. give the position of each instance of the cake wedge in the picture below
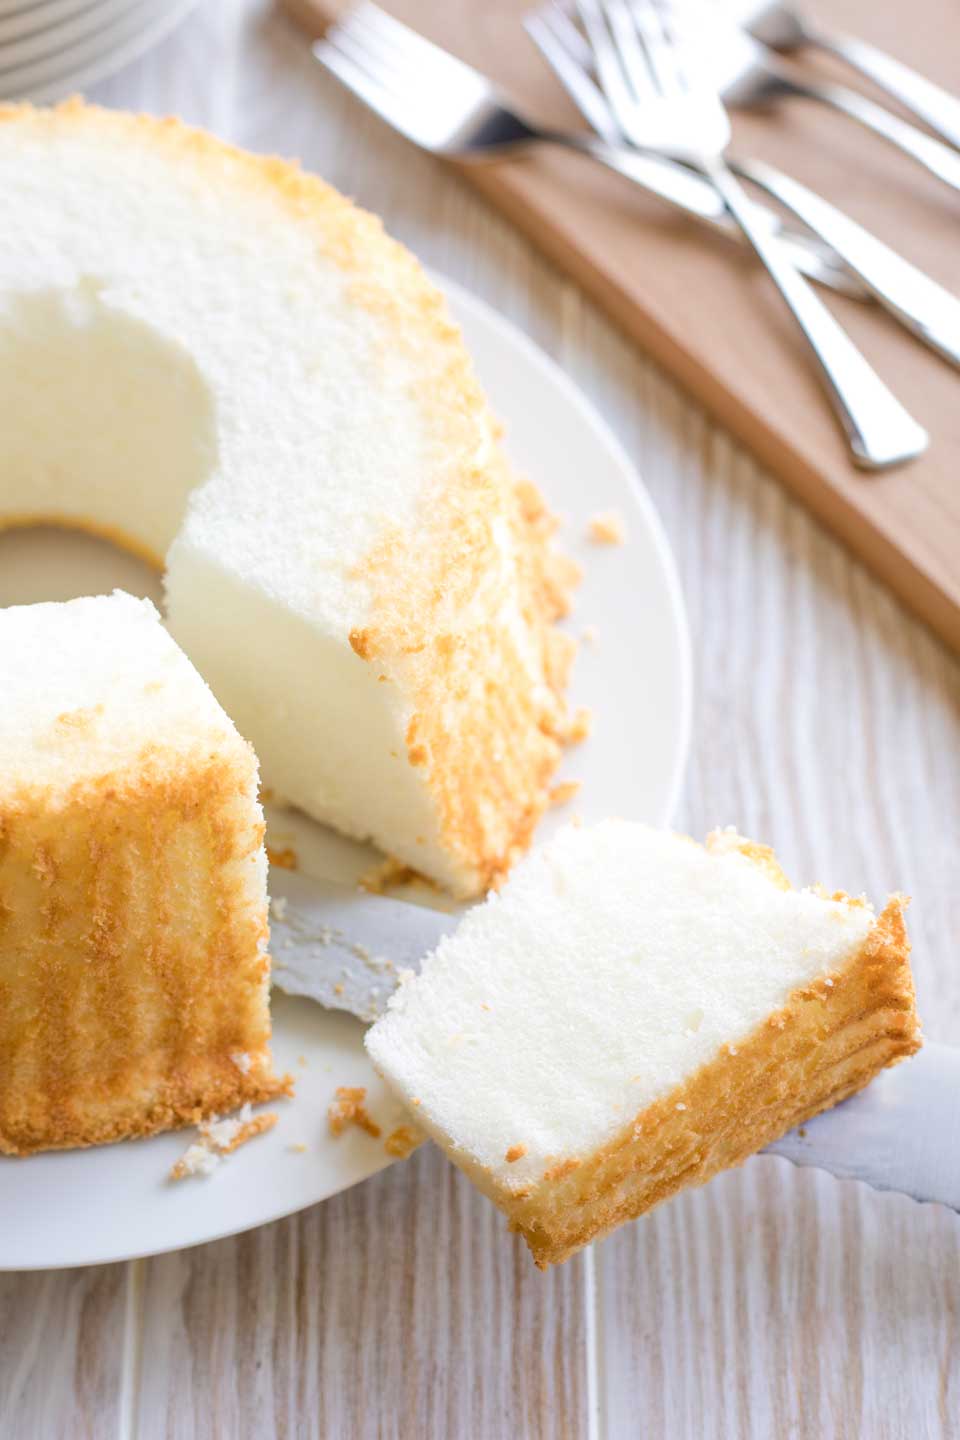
(634, 1012)
(133, 912)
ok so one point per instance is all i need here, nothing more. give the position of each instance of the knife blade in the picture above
(346, 949)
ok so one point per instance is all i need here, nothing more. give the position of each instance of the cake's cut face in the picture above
(222, 361)
(633, 1013)
(133, 925)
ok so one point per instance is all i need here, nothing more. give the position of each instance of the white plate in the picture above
(54, 32)
(112, 1203)
(128, 28)
(35, 19)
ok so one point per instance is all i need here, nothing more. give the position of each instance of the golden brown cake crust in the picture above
(829, 1040)
(133, 978)
(489, 772)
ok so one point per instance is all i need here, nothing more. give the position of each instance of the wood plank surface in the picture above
(774, 1302)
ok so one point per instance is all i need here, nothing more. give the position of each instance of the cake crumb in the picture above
(403, 1141)
(590, 635)
(242, 1061)
(606, 527)
(338, 988)
(301, 1060)
(297, 1148)
(516, 1152)
(283, 859)
(219, 1138)
(563, 793)
(278, 907)
(348, 1109)
(581, 726)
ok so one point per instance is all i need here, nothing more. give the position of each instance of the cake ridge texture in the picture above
(133, 924)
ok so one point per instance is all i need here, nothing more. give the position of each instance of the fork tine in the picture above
(404, 49)
(610, 72)
(643, 79)
(378, 68)
(559, 17)
(546, 34)
(358, 80)
(658, 46)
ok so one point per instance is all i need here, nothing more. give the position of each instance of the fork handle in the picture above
(879, 431)
(923, 306)
(932, 154)
(931, 104)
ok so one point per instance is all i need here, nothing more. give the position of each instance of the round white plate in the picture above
(56, 33)
(115, 1202)
(124, 30)
(35, 19)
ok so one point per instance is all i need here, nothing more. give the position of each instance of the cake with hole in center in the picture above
(133, 914)
(222, 363)
(634, 1012)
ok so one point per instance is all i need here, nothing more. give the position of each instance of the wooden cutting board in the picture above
(710, 316)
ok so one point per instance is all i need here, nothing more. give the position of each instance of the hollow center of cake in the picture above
(106, 423)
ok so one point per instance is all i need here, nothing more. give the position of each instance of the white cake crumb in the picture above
(278, 907)
(219, 1138)
(197, 1159)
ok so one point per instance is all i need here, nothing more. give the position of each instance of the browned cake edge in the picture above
(113, 1025)
(827, 1042)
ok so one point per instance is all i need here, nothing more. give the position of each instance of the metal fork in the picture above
(750, 76)
(783, 28)
(922, 306)
(450, 109)
(659, 104)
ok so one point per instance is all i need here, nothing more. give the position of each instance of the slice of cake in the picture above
(635, 1012)
(226, 364)
(133, 913)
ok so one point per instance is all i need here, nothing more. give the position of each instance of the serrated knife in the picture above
(345, 949)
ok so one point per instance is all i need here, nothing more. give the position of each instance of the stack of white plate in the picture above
(50, 48)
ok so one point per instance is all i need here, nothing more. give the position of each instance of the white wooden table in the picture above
(774, 1302)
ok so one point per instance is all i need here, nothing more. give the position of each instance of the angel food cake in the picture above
(224, 364)
(633, 1013)
(133, 911)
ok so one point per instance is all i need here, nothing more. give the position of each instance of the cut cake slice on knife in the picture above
(635, 1012)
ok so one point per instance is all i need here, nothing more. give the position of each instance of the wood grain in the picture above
(347, 1319)
(714, 321)
(774, 1302)
(62, 1352)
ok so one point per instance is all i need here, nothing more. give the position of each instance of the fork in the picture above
(785, 30)
(750, 76)
(660, 106)
(450, 109)
(922, 306)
